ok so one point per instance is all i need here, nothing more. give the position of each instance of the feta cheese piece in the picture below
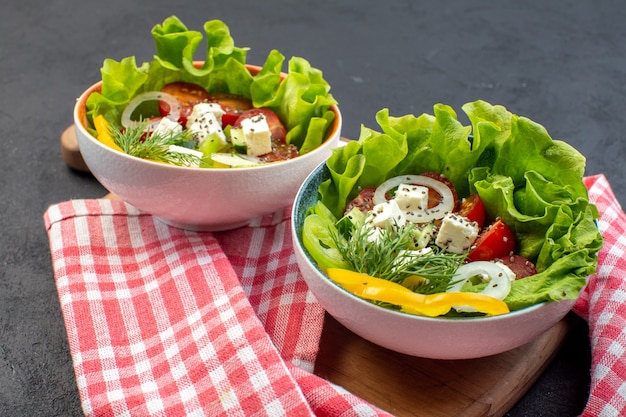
(456, 233)
(205, 127)
(201, 109)
(412, 198)
(257, 135)
(386, 215)
(167, 127)
(181, 149)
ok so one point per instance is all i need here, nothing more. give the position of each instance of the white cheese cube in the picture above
(386, 215)
(456, 233)
(206, 126)
(201, 109)
(257, 135)
(412, 198)
(167, 127)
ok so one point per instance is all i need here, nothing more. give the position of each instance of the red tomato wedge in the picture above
(497, 241)
(188, 94)
(234, 106)
(277, 129)
(473, 208)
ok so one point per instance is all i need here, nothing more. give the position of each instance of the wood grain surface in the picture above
(410, 386)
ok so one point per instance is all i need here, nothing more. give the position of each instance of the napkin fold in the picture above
(168, 322)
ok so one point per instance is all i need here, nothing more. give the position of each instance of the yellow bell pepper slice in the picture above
(104, 132)
(432, 305)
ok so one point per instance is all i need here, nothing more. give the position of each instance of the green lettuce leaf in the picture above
(532, 182)
(302, 100)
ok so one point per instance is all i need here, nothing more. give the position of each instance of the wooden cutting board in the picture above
(409, 386)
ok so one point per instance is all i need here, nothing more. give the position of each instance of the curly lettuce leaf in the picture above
(345, 168)
(302, 99)
(534, 183)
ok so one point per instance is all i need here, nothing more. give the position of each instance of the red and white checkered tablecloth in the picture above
(602, 303)
(167, 322)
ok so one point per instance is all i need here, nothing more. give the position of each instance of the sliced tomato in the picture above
(496, 241)
(277, 129)
(364, 201)
(280, 152)
(521, 266)
(188, 94)
(234, 106)
(434, 198)
(472, 207)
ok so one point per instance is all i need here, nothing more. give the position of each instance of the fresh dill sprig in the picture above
(391, 256)
(436, 267)
(155, 146)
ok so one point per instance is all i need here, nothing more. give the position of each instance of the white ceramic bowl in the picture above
(436, 338)
(198, 198)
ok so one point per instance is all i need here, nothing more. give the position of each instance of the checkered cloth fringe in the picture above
(167, 322)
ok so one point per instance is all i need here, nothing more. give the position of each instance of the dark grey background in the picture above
(561, 63)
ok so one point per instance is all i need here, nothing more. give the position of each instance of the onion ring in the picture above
(172, 101)
(427, 215)
(496, 275)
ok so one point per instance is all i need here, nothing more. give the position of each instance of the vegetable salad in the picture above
(242, 117)
(432, 217)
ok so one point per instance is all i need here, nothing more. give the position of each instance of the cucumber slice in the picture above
(238, 139)
(235, 160)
